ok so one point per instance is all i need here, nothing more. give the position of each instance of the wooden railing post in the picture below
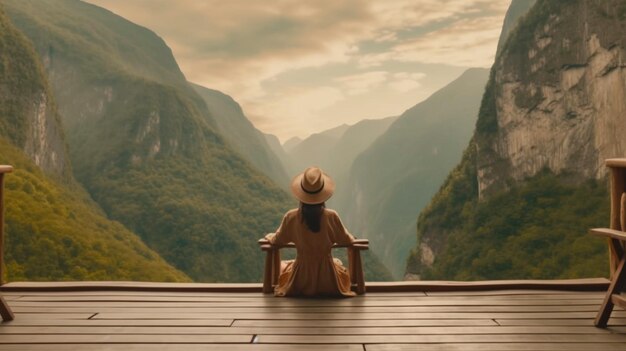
(617, 167)
(5, 311)
(3, 171)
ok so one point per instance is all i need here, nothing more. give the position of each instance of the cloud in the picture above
(467, 42)
(363, 82)
(240, 47)
(405, 81)
(303, 106)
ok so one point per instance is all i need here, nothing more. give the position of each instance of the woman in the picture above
(314, 229)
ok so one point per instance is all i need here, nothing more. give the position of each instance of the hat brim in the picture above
(312, 199)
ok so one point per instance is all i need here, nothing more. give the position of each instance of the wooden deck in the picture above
(133, 316)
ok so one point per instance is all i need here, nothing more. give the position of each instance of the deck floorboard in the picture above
(97, 320)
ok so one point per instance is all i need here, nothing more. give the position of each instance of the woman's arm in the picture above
(341, 234)
(282, 236)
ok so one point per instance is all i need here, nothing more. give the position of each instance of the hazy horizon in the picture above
(322, 64)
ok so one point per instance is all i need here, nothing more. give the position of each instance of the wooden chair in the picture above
(616, 236)
(5, 310)
(272, 264)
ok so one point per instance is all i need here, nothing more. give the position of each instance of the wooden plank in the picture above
(123, 339)
(439, 330)
(309, 323)
(609, 233)
(405, 339)
(589, 284)
(6, 313)
(263, 297)
(11, 297)
(29, 316)
(313, 304)
(368, 300)
(120, 323)
(498, 347)
(338, 310)
(3, 169)
(618, 300)
(523, 292)
(563, 322)
(615, 162)
(6, 169)
(121, 293)
(131, 286)
(179, 347)
(354, 316)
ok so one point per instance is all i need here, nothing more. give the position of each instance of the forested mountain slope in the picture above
(144, 144)
(532, 180)
(397, 175)
(239, 132)
(54, 231)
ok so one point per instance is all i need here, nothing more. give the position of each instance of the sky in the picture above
(299, 67)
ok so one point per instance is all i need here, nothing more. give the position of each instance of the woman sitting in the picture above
(314, 230)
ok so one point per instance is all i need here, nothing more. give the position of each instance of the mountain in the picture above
(291, 143)
(28, 114)
(516, 10)
(532, 180)
(54, 231)
(397, 175)
(279, 151)
(314, 150)
(239, 132)
(334, 149)
(145, 145)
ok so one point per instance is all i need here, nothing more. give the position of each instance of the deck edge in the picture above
(589, 284)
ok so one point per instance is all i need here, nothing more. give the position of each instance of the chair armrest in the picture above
(609, 233)
(359, 244)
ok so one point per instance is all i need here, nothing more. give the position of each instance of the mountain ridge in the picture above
(549, 117)
(415, 151)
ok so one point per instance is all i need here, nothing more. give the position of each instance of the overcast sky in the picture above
(299, 67)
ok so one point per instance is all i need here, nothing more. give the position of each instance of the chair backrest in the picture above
(617, 174)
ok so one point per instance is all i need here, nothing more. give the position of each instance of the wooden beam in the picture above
(3, 169)
(587, 284)
(5, 311)
(6, 169)
(1, 228)
(615, 162)
(617, 187)
(609, 233)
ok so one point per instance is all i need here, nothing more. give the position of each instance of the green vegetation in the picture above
(20, 80)
(241, 134)
(54, 231)
(57, 233)
(145, 145)
(536, 230)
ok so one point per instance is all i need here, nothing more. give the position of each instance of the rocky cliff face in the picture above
(28, 113)
(553, 110)
(558, 87)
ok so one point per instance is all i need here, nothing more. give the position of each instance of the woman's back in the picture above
(314, 271)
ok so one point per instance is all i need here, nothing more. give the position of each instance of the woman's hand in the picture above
(270, 236)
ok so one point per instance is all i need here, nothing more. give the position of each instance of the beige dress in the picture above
(314, 272)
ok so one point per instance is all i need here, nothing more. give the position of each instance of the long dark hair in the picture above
(312, 215)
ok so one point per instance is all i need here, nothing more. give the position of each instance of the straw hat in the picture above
(312, 186)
